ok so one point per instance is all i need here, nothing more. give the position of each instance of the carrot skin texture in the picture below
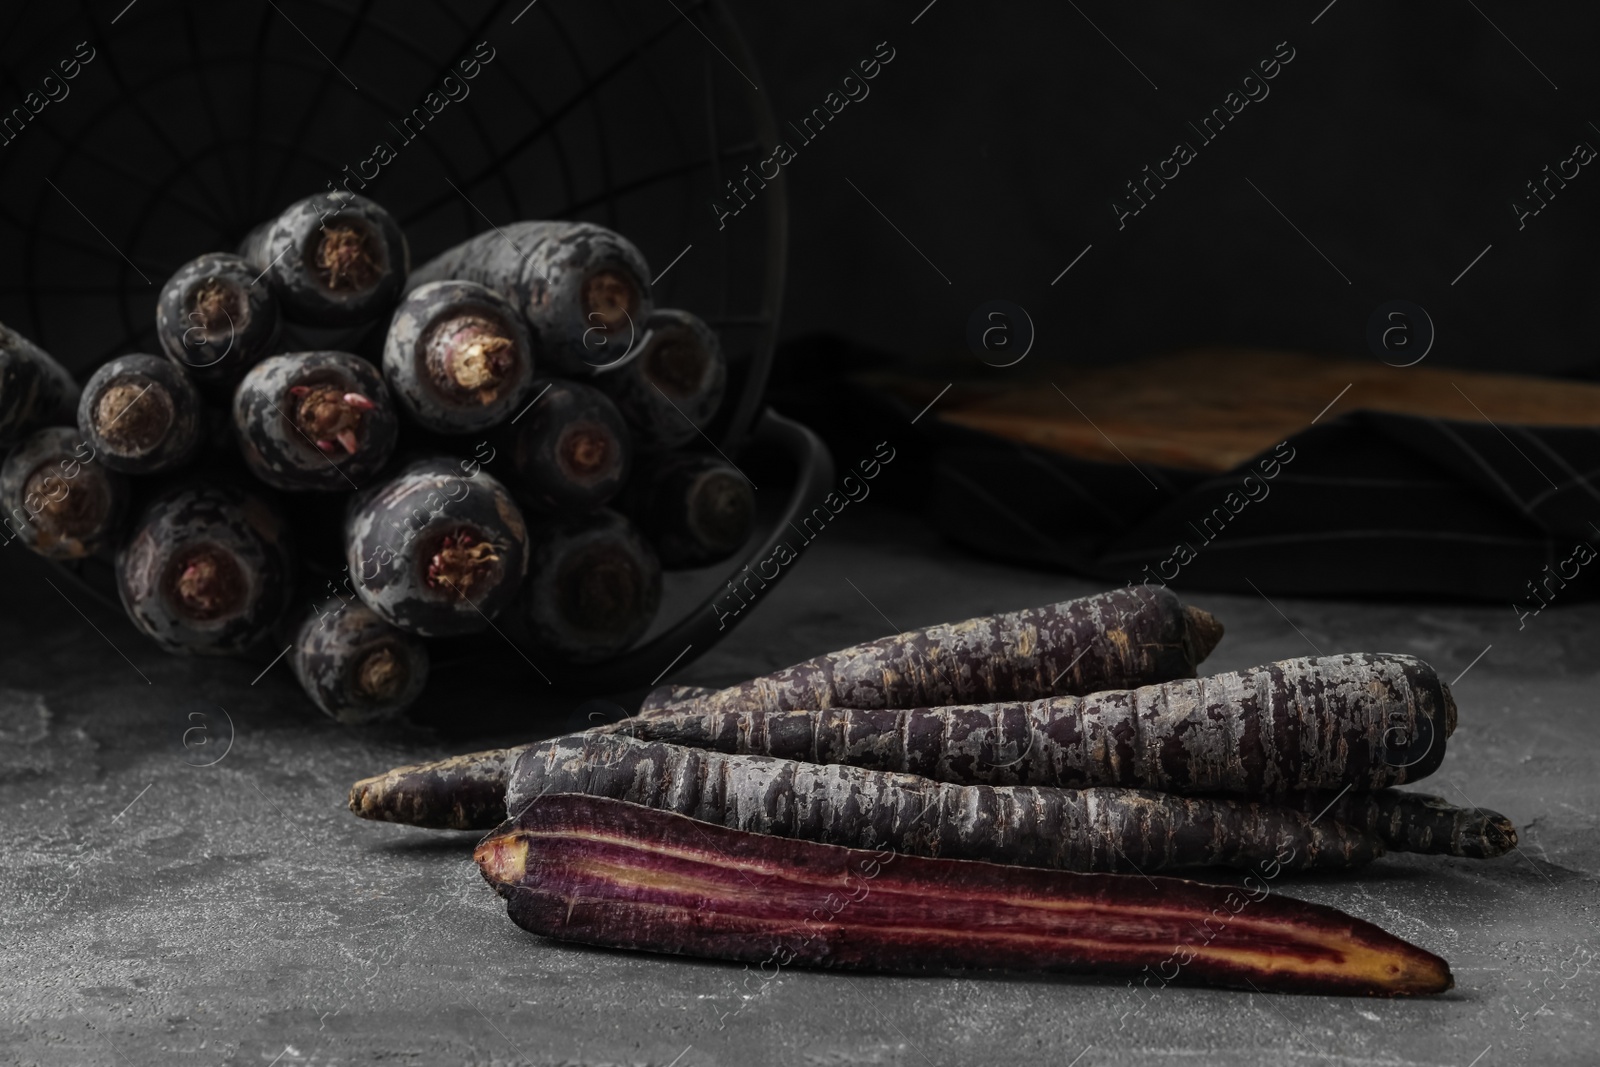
(608, 873)
(38, 501)
(672, 388)
(433, 397)
(695, 509)
(466, 792)
(1063, 829)
(570, 449)
(216, 354)
(164, 395)
(284, 249)
(1416, 822)
(1303, 724)
(1119, 639)
(35, 390)
(663, 697)
(594, 585)
(541, 266)
(329, 658)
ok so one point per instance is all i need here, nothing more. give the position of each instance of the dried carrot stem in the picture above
(608, 873)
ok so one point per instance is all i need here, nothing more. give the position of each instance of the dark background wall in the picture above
(995, 141)
(1396, 141)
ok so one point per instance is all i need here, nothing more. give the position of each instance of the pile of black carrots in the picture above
(337, 452)
(1006, 792)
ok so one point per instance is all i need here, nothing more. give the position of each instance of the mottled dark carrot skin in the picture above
(663, 697)
(607, 873)
(1121, 639)
(1104, 829)
(35, 390)
(1416, 822)
(466, 792)
(546, 269)
(1304, 724)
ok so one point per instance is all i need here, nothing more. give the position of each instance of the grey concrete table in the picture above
(156, 911)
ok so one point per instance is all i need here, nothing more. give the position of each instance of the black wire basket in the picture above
(165, 129)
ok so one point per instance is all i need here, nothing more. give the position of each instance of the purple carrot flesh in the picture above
(609, 873)
(1120, 639)
(1361, 720)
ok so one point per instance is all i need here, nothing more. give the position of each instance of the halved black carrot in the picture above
(608, 873)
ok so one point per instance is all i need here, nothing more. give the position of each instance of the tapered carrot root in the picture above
(608, 873)
(1121, 639)
(1417, 822)
(1362, 720)
(466, 792)
(1063, 829)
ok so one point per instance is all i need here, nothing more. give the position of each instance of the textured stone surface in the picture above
(158, 911)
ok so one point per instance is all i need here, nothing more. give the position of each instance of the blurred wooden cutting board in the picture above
(1212, 409)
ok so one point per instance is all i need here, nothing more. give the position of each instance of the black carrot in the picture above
(35, 390)
(458, 357)
(1119, 639)
(58, 499)
(141, 414)
(695, 509)
(583, 289)
(217, 317)
(610, 873)
(333, 259)
(206, 570)
(1303, 724)
(672, 387)
(1100, 829)
(594, 586)
(570, 449)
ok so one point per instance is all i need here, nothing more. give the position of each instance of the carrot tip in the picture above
(1204, 632)
(1499, 835)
